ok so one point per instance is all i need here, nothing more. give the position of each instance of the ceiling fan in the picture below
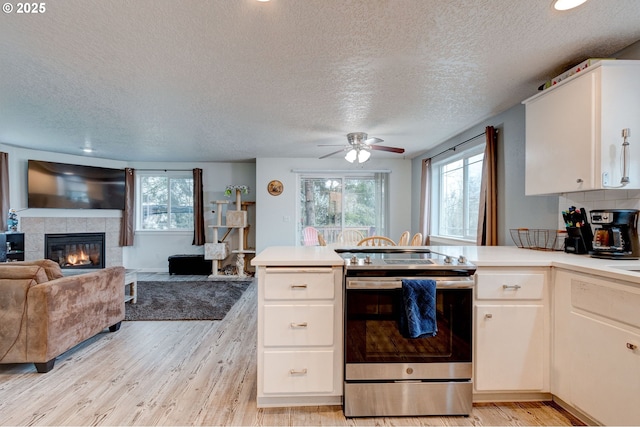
(360, 146)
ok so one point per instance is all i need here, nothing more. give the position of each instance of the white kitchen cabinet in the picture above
(596, 355)
(606, 364)
(299, 336)
(562, 353)
(511, 327)
(574, 130)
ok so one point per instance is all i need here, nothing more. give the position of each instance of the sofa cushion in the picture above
(15, 282)
(51, 268)
(18, 271)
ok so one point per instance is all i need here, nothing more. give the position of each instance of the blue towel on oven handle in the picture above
(418, 316)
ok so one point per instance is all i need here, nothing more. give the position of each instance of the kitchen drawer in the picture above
(510, 286)
(613, 303)
(299, 283)
(298, 325)
(298, 372)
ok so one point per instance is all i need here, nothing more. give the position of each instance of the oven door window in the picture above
(372, 333)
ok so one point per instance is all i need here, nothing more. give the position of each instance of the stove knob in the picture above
(448, 260)
(367, 259)
(354, 260)
(462, 259)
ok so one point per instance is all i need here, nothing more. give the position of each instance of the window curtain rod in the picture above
(345, 171)
(163, 170)
(461, 143)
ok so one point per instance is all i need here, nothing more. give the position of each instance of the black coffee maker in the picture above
(616, 234)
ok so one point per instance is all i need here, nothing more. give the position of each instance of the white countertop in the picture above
(482, 256)
(297, 256)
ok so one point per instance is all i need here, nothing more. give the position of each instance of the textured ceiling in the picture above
(232, 80)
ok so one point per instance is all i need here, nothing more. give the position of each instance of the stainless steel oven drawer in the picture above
(407, 399)
(407, 371)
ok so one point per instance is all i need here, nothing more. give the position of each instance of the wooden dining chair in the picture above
(404, 239)
(376, 241)
(416, 240)
(350, 237)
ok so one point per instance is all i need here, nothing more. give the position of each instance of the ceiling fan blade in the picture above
(330, 145)
(373, 141)
(385, 148)
(331, 154)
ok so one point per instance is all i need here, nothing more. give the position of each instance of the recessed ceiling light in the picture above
(87, 150)
(567, 4)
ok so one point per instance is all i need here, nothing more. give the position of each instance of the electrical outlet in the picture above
(605, 178)
(286, 218)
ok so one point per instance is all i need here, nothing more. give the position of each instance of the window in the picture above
(165, 201)
(456, 194)
(334, 203)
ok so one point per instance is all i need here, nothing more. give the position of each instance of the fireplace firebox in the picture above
(76, 250)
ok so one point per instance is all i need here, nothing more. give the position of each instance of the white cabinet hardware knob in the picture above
(298, 325)
(631, 346)
(298, 371)
(514, 287)
(298, 286)
(488, 316)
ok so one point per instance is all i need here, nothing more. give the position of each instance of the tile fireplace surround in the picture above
(34, 229)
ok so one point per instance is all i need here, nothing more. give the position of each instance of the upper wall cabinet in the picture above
(574, 131)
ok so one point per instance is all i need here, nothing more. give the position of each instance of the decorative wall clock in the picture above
(275, 187)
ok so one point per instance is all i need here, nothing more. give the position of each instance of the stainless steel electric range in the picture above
(386, 373)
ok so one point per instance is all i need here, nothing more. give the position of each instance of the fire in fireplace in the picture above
(76, 250)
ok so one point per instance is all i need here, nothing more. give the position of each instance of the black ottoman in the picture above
(189, 264)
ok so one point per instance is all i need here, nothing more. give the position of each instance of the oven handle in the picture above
(460, 283)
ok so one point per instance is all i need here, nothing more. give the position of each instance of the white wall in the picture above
(151, 249)
(276, 214)
(515, 210)
(18, 180)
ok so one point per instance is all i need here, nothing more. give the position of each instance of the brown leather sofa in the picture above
(43, 313)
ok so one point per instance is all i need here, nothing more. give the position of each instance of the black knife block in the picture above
(579, 240)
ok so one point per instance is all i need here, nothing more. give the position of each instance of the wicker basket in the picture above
(539, 238)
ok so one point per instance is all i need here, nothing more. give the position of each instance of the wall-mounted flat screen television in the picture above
(60, 185)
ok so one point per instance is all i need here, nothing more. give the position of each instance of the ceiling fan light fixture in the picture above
(363, 156)
(351, 155)
(567, 4)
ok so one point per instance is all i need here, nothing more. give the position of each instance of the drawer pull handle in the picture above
(298, 372)
(298, 325)
(631, 346)
(514, 287)
(298, 286)
(488, 316)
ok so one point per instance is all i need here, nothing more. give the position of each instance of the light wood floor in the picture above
(190, 373)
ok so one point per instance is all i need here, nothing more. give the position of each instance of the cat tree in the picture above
(234, 220)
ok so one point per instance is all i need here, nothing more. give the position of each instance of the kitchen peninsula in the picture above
(546, 325)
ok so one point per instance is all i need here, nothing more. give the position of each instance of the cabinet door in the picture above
(561, 138)
(510, 348)
(563, 354)
(606, 371)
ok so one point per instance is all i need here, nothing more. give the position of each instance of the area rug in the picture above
(195, 300)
